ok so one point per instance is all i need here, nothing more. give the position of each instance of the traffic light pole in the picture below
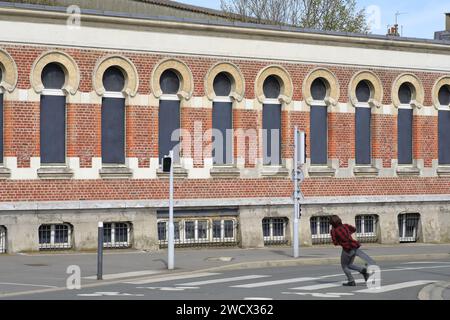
(171, 244)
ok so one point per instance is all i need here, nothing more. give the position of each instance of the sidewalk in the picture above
(44, 270)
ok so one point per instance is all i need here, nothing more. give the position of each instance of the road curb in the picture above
(322, 261)
(434, 291)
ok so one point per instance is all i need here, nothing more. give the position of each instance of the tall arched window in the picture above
(53, 116)
(363, 124)
(222, 120)
(169, 115)
(319, 123)
(272, 122)
(405, 124)
(113, 117)
(444, 126)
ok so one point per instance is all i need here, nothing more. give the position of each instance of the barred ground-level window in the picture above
(320, 230)
(3, 239)
(272, 122)
(367, 228)
(444, 126)
(192, 232)
(405, 125)
(409, 227)
(169, 117)
(53, 116)
(117, 235)
(113, 117)
(222, 121)
(55, 236)
(363, 125)
(274, 231)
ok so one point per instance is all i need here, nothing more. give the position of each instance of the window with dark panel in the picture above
(319, 124)
(222, 121)
(1, 119)
(405, 93)
(113, 117)
(53, 116)
(169, 114)
(444, 126)
(272, 122)
(405, 143)
(318, 90)
(363, 125)
(405, 126)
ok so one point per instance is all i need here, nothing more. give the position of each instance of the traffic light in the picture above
(167, 164)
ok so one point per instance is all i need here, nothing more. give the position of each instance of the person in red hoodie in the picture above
(341, 234)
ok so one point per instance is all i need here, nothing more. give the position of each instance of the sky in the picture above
(419, 18)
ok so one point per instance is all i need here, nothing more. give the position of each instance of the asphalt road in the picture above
(399, 281)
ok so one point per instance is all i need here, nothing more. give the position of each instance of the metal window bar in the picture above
(320, 230)
(408, 227)
(116, 235)
(274, 231)
(367, 228)
(200, 233)
(3, 238)
(55, 237)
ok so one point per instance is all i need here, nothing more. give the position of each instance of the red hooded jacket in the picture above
(341, 235)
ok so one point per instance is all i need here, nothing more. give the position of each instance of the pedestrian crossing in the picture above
(315, 286)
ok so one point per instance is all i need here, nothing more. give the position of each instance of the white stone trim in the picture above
(191, 203)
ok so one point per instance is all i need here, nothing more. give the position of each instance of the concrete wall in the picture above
(22, 226)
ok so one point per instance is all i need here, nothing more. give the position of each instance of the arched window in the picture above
(53, 116)
(405, 124)
(113, 117)
(318, 90)
(444, 126)
(363, 125)
(319, 123)
(169, 115)
(222, 120)
(272, 122)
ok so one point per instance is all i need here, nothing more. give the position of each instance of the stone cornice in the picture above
(239, 29)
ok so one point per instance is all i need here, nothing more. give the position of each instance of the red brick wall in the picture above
(21, 121)
(21, 131)
(84, 132)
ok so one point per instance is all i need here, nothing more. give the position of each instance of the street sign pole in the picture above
(171, 247)
(299, 161)
(296, 204)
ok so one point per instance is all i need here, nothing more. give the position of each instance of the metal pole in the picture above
(296, 194)
(100, 252)
(171, 246)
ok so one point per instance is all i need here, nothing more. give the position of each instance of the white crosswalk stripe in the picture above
(273, 283)
(398, 286)
(223, 280)
(173, 278)
(324, 286)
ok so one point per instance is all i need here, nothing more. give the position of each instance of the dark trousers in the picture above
(348, 259)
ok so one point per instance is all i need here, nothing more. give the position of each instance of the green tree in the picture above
(329, 15)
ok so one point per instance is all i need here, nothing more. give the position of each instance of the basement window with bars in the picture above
(3, 239)
(366, 228)
(409, 227)
(320, 230)
(274, 231)
(116, 235)
(55, 237)
(200, 232)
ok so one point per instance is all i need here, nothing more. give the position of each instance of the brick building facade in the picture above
(245, 202)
